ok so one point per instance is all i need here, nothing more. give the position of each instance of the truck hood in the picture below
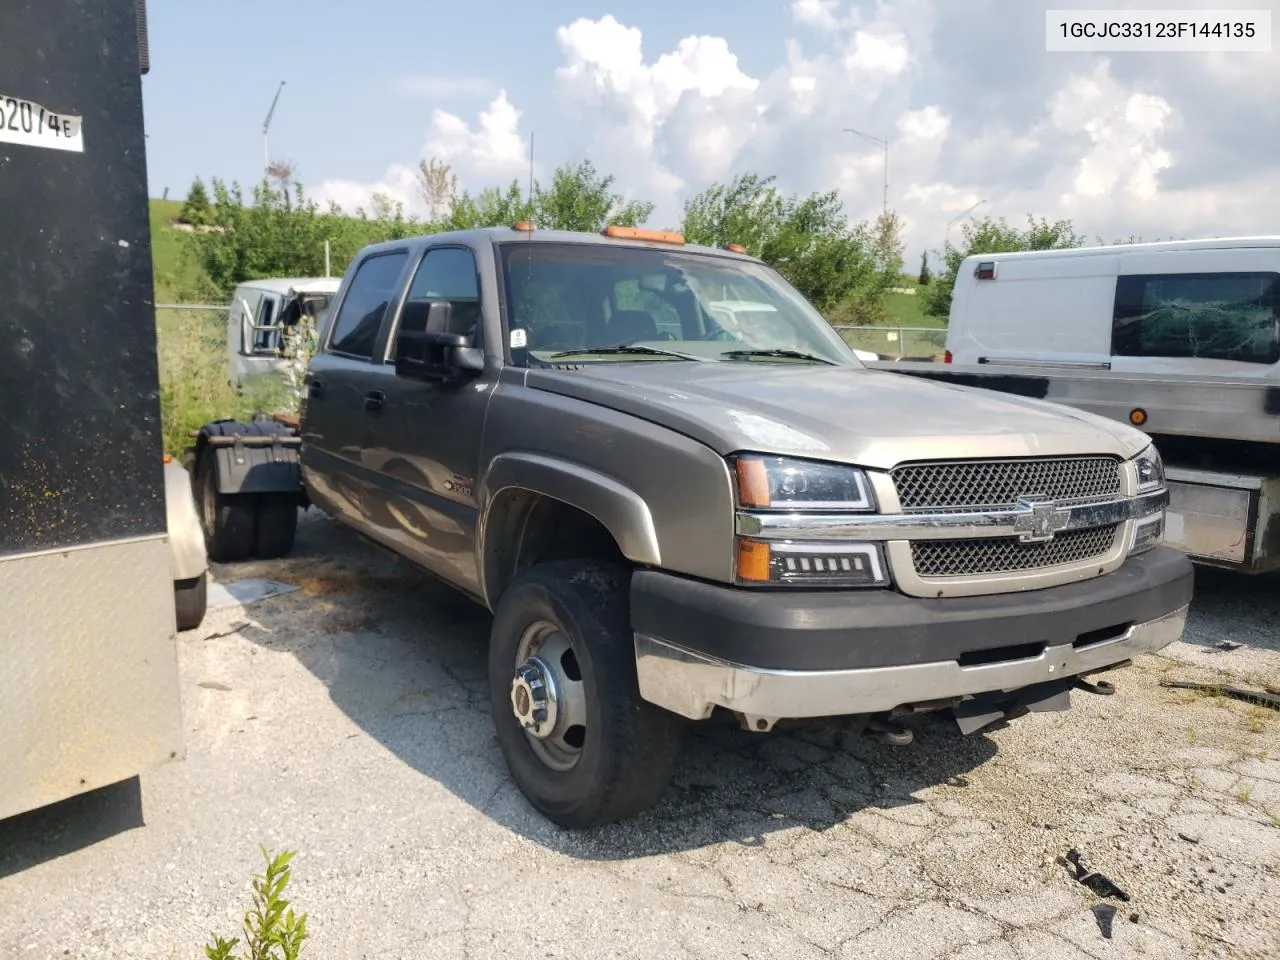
(850, 415)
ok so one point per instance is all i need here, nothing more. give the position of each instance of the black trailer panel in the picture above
(80, 457)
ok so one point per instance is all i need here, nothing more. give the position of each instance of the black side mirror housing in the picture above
(432, 354)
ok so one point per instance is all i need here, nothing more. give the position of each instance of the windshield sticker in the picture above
(519, 339)
(31, 125)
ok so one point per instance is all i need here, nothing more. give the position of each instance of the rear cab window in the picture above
(355, 328)
(1204, 316)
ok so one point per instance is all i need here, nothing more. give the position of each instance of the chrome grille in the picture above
(967, 558)
(986, 484)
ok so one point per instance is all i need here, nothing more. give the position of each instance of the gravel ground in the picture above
(348, 721)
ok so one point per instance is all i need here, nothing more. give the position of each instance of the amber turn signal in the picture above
(637, 233)
(1137, 416)
(753, 561)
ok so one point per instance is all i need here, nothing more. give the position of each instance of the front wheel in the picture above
(581, 743)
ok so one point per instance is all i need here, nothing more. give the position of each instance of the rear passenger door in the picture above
(422, 439)
(338, 381)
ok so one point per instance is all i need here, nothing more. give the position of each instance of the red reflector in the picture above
(946, 356)
(986, 270)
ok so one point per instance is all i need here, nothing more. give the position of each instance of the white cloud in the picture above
(816, 13)
(972, 108)
(492, 152)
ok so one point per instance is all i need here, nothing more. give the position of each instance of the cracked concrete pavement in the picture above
(348, 721)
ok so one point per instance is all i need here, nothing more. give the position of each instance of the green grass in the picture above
(178, 276)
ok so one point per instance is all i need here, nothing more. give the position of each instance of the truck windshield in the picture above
(571, 299)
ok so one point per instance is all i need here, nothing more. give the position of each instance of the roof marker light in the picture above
(637, 233)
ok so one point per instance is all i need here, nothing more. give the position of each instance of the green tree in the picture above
(579, 198)
(491, 207)
(197, 211)
(437, 188)
(807, 240)
(995, 236)
(282, 234)
(925, 275)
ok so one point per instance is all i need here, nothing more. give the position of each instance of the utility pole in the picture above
(266, 156)
(885, 144)
(946, 239)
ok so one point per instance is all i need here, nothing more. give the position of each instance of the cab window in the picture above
(355, 329)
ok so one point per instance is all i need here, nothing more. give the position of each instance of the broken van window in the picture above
(1212, 316)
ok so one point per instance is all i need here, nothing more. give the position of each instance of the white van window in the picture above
(1211, 316)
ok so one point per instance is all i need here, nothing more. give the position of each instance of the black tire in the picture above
(191, 600)
(276, 525)
(226, 518)
(630, 746)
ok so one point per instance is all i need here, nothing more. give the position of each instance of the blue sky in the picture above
(670, 96)
(342, 113)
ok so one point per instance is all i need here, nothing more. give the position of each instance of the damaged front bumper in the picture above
(866, 654)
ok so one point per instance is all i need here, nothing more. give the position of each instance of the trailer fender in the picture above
(186, 539)
(257, 457)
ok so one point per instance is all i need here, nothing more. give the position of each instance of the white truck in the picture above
(1181, 339)
(261, 311)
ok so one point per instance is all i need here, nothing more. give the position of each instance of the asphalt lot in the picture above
(349, 721)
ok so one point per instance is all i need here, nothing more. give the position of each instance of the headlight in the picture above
(782, 483)
(811, 564)
(1150, 470)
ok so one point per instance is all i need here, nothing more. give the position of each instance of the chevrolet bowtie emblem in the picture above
(1037, 519)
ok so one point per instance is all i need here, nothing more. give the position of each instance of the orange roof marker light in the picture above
(735, 248)
(524, 226)
(638, 233)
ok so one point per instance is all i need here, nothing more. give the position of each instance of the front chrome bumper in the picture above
(693, 684)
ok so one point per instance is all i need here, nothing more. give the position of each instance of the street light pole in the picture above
(266, 156)
(885, 144)
(946, 238)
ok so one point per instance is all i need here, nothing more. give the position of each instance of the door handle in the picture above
(315, 390)
(374, 400)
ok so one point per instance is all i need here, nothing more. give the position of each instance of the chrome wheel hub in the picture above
(533, 698)
(548, 698)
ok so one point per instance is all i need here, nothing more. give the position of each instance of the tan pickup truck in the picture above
(670, 518)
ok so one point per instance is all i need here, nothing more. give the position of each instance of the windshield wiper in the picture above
(789, 354)
(651, 351)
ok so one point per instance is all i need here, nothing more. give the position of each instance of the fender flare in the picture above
(621, 510)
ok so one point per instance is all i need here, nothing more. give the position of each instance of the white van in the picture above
(1204, 307)
(260, 310)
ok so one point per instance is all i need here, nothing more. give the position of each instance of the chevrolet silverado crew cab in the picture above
(668, 517)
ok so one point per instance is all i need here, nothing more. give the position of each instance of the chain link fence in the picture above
(191, 346)
(897, 343)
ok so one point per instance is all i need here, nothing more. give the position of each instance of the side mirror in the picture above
(436, 357)
(425, 351)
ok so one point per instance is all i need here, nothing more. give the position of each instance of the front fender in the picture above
(182, 522)
(621, 510)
